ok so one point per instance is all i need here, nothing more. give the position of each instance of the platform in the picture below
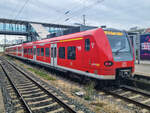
(143, 68)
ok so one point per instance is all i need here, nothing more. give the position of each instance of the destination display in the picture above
(113, 33)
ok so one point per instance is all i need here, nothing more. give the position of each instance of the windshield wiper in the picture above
(119, 50)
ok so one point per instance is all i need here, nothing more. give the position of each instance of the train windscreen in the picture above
(119, 44)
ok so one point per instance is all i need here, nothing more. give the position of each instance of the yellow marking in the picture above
(113, 33)
(97, 65)
(67, 40)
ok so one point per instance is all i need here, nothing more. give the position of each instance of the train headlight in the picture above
(108, 63)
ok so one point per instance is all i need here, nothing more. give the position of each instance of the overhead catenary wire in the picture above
(21, 9)
(70, 11)
(84, 10)
(47, 5)
(14, 9)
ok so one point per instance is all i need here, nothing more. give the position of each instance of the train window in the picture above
(38, 51)
(25, 51)
(31, 51)
(87, 44)
(34, 51)
(52, 52)
(71, 52)
(42, 51)
(62, 52)
(55, 52)
(28, 51)
(47, 52)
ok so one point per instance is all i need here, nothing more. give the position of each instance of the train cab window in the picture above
(47, 52)
(38, 51)
(87, 44)
(62, 52)
(42, 51)
(71, 52)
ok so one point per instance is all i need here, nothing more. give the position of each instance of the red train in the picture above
(98, 53)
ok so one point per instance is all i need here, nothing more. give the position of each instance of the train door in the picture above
(87, 53)
(53, 54)
(34, 53)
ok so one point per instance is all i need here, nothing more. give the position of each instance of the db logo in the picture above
(124, 64)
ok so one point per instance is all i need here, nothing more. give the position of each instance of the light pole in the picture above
(84, 20)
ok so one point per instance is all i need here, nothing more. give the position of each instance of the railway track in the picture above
(143, 77)
(33, 97)
(11, 98)
(139, 81)
(131, 95)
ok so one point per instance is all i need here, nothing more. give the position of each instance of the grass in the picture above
(22, 65)
(89, 90)
(9, 58)
(42, 74)
(75, 90)
(98, 104)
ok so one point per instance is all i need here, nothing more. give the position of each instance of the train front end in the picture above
(122, 53)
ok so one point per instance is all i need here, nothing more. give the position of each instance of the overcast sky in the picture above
(122, 14)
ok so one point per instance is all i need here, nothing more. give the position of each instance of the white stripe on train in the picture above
(104, 77)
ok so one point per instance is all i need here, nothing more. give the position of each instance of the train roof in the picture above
(70, 36)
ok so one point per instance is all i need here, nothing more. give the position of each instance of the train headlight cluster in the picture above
(108, 63)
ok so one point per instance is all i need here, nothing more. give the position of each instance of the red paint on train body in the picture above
(91, 53)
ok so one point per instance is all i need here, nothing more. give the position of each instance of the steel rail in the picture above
(138, 76)
(136, 90)
(126, 99)
(138, 81)
(17, 91)
(65, 106)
